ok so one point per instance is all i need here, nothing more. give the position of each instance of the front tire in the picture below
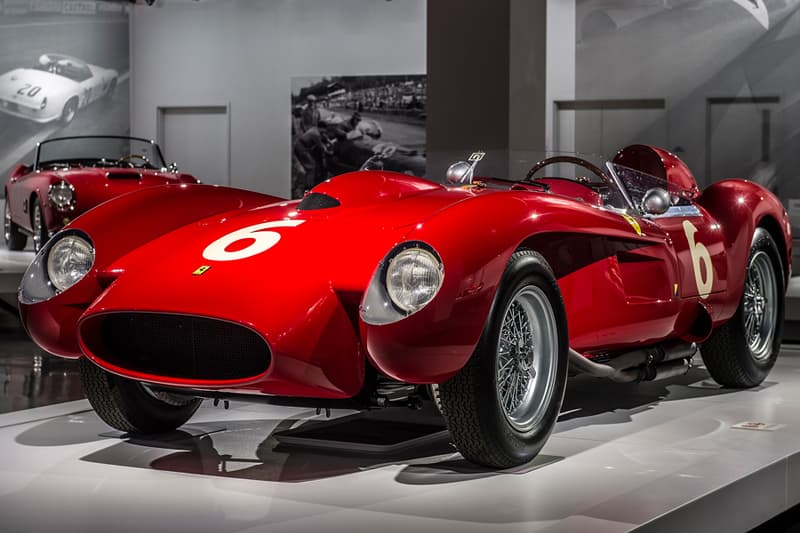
(15, 239)
(69, 111)
(130, 406)
(38, 226)
(503, 404)
(741, 352)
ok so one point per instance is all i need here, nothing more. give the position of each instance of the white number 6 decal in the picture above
(262, 241)
(699, 255)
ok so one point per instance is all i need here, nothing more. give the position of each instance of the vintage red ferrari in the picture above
(70, 175)
(377, 288)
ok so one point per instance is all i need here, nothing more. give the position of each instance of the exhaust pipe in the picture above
(648, 364)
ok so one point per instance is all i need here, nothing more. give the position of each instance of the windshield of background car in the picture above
(589, 170)
(100, 151)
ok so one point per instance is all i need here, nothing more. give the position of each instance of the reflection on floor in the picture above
(660, 456)
(30, 377)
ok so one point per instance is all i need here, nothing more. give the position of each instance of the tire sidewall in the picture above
(758, 369)
(523, 270)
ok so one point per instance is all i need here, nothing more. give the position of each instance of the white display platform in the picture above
(661, 456)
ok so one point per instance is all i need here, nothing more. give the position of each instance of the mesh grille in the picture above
(316, 200)
(179, 346)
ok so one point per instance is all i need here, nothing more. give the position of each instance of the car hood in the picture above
(203, 269)
(12, 84)
(94, 186)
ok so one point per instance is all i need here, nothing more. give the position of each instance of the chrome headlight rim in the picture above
(36, 285)
(393, 259)
(377, 307)
(59, 187)
(75, 238)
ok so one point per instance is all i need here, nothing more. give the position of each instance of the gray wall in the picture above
(245, 52)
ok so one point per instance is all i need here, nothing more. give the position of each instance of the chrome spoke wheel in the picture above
(37, 226)
(526, 368)
(7, 222)
(760, 303)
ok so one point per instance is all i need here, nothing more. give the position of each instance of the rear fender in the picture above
(740, 207)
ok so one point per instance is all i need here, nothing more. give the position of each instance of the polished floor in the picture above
(659, 457)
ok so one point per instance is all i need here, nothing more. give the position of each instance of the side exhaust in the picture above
(648, 364)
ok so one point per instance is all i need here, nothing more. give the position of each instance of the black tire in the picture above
(111, 90)
(128, 406)
(15, 239)
(69, 111)
(38, 225)
(731, 358)
(481, 428)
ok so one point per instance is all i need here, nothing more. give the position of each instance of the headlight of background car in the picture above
(405, 281)
(63, 262)
(62, 195)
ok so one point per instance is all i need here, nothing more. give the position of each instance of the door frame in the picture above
(162, 110)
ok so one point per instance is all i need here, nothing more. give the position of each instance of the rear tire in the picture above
(132, 407)
(741, 352)
(502, 405)
(69, 111)
(15, 239)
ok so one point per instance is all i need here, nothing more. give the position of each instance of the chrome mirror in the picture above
(462, 172)
(656, 201)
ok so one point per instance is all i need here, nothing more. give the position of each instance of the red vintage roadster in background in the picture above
(377, 286)
(70, 175)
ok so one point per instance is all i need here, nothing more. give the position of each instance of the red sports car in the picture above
(377, 288)
(71, 175)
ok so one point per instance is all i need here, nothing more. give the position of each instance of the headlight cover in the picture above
(61, 195)
(405, 281)
(62, 262)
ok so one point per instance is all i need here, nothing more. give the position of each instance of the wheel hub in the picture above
(760, 304)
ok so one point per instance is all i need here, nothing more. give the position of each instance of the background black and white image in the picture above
(94, 32)
(339, 122)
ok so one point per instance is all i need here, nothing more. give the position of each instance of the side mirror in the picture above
(173, 167)
(462, 172)
(656, 201)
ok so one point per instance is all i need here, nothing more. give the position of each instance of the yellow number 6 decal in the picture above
(699, 255)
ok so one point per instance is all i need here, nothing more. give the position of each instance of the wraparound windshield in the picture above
(99, 151)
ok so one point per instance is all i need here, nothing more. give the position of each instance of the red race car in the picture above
(71, 175)
(378, 288)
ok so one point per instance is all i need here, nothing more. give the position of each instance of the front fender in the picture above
(117, 227)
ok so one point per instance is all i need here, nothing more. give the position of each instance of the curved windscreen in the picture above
(99, 151)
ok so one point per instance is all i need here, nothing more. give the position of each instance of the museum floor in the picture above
(664, 456)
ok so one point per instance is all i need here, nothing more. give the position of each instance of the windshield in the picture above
(123, 152)
(637, 183)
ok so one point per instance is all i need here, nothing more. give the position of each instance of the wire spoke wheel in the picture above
(7, 222)
(760, 305)
(525, 371)
(38, 225)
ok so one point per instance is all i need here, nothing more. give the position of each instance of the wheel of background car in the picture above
(502, 405)
(126, 159)
(15, 239)
(130, 406)
(111, 90)
(741, 352)
(70, 109)
(567, 159)
(40, 234)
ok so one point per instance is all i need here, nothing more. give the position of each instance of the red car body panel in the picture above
(93, 186)
(625, 281)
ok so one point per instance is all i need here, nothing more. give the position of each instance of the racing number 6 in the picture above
(262, 241)
(699, 255)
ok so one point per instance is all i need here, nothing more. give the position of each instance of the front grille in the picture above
(11, 106)
(177, 346)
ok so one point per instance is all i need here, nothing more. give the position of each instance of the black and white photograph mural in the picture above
(64, 68)
(341, 122)
(716, 82)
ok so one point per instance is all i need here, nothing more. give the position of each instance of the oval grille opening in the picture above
(177, 346)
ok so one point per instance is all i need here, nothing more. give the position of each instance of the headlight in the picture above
(61, 263)
(413, 278)
(61, 195)
(68, 261)
(405, 281)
